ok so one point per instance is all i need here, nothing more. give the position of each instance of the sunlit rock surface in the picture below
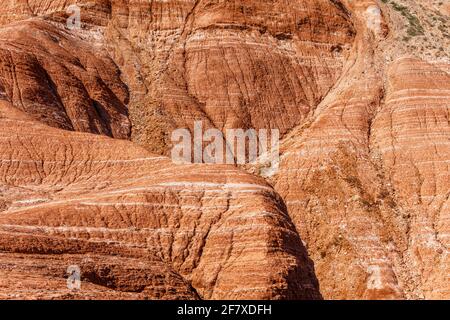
(359, 208)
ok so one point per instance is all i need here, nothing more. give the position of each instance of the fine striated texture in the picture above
(334, 190)
(359, 208)
(60, 81)
(231, 64)
(366, 179)
(412, 135)
(137, 224)
(238, 64)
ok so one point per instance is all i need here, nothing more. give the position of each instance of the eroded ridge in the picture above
(137, 224)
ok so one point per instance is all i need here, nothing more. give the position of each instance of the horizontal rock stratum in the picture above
(359, 91)
(137, 224)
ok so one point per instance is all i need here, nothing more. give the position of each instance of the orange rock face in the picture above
(355, 178)
(358, 209)
(241, 64)
(137, 224)
(412, 136)
(58, 80)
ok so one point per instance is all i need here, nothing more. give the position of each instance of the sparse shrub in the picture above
(414, 26)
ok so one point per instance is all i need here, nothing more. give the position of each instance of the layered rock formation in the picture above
(347, 189)
(137, 224)
(411, 134)
(358, 89)
(60, 81)
(231, 64)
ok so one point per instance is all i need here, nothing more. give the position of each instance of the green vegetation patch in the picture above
(414, 26)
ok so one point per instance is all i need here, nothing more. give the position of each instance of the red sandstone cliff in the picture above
(359, 208)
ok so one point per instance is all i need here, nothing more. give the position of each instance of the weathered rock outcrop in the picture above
(232, 64)
(135, 223)
(366, 179)
(359, 90)
(60, 81)
(411, 133)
